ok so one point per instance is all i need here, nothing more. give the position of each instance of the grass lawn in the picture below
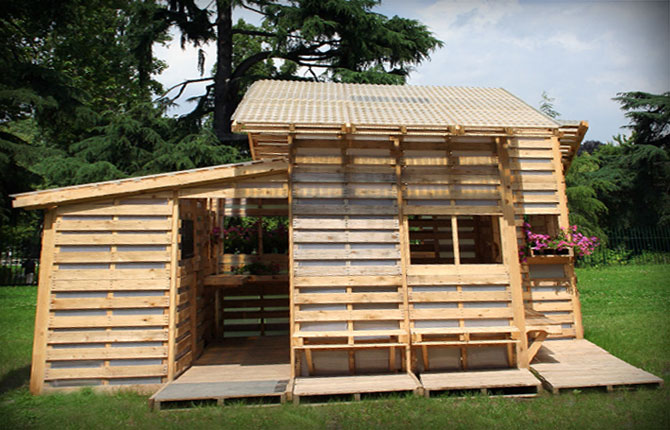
(626, 310)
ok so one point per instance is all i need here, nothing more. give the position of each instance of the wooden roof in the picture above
(160, 182)
(309, 104)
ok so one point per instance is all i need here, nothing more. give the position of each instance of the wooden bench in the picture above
(538, 327)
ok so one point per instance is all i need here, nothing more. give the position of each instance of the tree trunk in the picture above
(223, 91)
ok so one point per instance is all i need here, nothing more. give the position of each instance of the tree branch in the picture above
(183, 86)
(253, 32)
(252, 9)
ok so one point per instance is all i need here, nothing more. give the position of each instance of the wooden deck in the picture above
(506, 382)
(577, 363)
(323, 388)
(237, 369)
(258, 369)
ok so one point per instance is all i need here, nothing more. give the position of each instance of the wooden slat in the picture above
(109, 303)
(112, 225)
(107, 321)
(345, 237)
(57, 337)
(332, 281)
(460, 296)
(366, 315)
(112, 209)
(345, 254)
(113, 239)
(460, 313)
(450, 210)
(318, 298)
(155, 284)
(104, 274)
(106, 353)
(112, 257)
(107, 372)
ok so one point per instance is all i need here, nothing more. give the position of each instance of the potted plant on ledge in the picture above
(567, 242)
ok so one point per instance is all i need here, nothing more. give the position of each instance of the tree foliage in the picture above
(340, 40)
(626, 182)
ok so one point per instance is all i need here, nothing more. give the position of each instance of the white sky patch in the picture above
(581, 52)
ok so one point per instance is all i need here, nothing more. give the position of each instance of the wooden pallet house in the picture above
(404, 208)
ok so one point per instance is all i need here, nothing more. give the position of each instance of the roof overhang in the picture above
(571, 134)
(224, 173)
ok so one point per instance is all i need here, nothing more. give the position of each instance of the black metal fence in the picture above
(638, 245)
(17, 269)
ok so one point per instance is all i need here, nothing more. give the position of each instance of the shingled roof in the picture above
(333, 104)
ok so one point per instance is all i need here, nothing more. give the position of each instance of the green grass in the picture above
(626, 310)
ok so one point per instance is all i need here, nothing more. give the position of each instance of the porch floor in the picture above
(578, 363)
(235, 369)
(259, 369)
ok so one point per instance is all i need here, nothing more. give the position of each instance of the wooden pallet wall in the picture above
(550, 285)
(461, 314)
(194, 314)
(347, 286)
(105, 295)
(536, 171)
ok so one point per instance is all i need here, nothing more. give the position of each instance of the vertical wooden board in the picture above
(511, 250)
(174, 286)
(38, 368)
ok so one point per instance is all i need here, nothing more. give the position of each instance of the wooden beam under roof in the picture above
(153, 183)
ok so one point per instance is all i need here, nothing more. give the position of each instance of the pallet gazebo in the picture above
(404, 208)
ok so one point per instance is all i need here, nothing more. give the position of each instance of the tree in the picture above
(547, 106)
(649, 115)
(344, 40)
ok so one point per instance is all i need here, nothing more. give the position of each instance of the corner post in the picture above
(511, 249)
(38, 368)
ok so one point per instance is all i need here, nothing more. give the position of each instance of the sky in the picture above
(582, 53)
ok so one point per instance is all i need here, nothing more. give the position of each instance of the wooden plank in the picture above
(468, 270)
(107, 275)
(221, 174)
(332, 281)
(344, 254)
(38, 368)
(112, 225)
(113, 239)
(291, 266)
(460, 296)
(109, 303)
(316, 298)
(156, 284)
(510, 251)
(345, 237)
(235, 192)
(460, 313)
(107, 372)
(306, 209)
(450, 210)
(58, 337)
(347, 333)
(107, 321)
(112, 257)
(106, 353)
(340, 223)
(112, 209)
(366, 315)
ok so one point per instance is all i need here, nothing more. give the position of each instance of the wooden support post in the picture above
(404, 248)
(38, 369)
(510, 249)
(291, 270)
(174, 273)
(564, 222)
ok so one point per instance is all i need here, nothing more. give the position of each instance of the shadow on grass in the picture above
(15, 379)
